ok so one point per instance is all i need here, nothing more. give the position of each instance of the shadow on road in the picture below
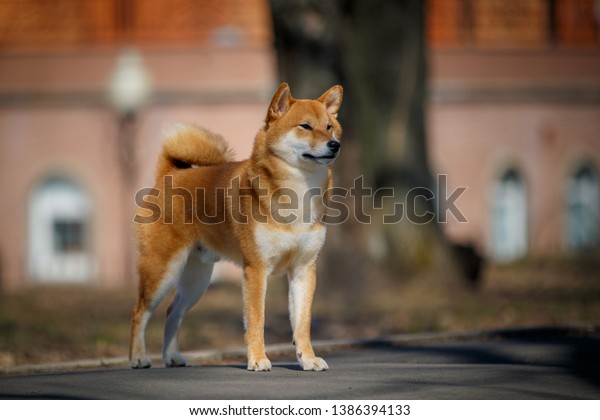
(575, 352)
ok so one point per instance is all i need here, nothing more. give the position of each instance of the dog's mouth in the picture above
(316, 158)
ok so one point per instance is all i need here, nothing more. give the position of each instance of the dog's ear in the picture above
(332, 99)
(280, 104)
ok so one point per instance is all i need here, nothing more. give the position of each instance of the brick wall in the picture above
(577, 23)
(513, 24)
(73, 23)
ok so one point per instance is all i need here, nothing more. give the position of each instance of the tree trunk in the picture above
(376, 49)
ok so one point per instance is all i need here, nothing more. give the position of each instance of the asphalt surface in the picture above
(524, 365)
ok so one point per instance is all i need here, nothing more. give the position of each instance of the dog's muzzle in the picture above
(334, 148)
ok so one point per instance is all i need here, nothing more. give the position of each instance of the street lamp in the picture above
(129, 88)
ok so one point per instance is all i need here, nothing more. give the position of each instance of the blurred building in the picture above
(72, 155)
(514, 116)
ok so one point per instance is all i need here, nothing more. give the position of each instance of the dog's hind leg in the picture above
(156, 280)
(192, 284)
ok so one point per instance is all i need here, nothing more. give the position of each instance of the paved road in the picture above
(521, 366)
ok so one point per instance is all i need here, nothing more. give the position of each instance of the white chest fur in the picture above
(284, 250)
(300, 200)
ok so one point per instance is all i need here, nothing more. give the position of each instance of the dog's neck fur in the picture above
(276, 174)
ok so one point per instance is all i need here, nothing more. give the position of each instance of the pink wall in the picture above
(55, 119)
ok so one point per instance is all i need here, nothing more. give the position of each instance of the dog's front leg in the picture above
(301, 292)
(254, 290)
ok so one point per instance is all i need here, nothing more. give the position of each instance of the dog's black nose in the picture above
(333, 145)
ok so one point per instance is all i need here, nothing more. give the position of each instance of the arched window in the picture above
(59, 228)
(509, 217)
(583, 209)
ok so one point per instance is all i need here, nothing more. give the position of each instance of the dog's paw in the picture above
(259, 365)
(141, 362)
(313, 363)
(174, 360)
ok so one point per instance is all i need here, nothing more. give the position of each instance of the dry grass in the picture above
(65, 323)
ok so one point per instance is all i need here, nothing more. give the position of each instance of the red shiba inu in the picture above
(264, 213)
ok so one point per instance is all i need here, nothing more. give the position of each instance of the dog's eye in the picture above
(306, 127)
(329, 127)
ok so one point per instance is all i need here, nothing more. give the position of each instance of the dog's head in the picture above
(305, 133)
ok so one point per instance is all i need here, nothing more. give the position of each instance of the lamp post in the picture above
(129, 89)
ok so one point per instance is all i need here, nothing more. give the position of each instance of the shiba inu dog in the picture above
(264, 213)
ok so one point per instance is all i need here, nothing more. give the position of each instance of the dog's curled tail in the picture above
(188, 146)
